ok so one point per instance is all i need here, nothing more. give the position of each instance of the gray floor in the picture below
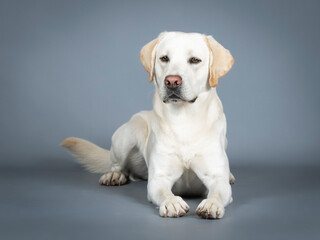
(68, 203)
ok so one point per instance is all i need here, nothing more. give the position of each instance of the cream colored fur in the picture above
(94, 158)
(180, 145)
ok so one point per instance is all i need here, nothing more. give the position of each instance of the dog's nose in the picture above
(173, 81)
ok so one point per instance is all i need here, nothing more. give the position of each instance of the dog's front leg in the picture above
(162, 176)
(216, 178)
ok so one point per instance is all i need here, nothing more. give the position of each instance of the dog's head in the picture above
(183, 65)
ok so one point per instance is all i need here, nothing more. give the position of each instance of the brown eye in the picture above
(194, 60)
(164, 58)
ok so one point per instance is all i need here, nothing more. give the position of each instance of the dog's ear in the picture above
(221, 60)
(147, 56)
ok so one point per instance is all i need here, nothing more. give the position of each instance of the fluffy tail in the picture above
(93, 157)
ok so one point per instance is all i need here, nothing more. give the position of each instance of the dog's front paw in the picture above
(210, 208)
(173, 207)
(113, 178)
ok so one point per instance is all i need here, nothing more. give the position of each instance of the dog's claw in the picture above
(173, 207)
(113, 178)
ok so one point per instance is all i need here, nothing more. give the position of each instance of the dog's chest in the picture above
(188, 136)
(187, 147)
(186, 160)
(186, 157)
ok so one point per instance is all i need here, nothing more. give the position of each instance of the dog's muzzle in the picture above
(175, 96)
(173, 85)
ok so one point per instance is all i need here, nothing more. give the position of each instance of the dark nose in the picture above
(173, 81)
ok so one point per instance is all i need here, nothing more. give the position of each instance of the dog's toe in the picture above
(173, 207)
(210, 209)
(115, 178)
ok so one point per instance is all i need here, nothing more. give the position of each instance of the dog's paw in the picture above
(232, 179)
(113, 179)
(210, 208)
(173, 207)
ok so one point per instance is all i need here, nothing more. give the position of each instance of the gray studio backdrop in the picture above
(72, 68)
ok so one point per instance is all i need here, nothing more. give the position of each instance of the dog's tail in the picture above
(93, 157)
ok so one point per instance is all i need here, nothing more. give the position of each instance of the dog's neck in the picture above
(206, 108)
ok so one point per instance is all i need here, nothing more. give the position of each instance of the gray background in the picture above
(72, 68)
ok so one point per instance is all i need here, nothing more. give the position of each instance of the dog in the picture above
(179, 146)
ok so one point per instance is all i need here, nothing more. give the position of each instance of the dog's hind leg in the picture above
(232, 179)
(126, 152)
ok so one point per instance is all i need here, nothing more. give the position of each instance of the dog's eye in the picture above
(164, 58)
(194, 60)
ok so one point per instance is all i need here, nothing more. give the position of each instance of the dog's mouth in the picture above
(175, 98)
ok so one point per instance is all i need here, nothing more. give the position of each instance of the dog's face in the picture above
(183, 65)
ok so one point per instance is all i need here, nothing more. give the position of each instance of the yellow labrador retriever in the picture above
(180, 145)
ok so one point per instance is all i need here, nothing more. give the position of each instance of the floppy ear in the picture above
(147, 56)
(221, 60)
